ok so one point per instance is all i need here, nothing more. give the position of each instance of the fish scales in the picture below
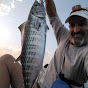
(33, 43)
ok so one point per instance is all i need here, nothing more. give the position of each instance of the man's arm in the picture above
(86, 64)
(60, 31)
(50, 7)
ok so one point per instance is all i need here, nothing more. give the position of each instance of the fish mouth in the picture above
(38, 9)
(40, 1)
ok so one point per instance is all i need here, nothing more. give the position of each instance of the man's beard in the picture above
(80, 38)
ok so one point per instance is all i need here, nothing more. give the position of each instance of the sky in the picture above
(15, 12)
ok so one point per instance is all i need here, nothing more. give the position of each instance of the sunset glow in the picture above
(4, 35)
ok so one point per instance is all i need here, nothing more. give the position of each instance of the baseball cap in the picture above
(78, 11)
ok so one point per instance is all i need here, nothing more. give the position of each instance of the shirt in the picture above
(68, 59)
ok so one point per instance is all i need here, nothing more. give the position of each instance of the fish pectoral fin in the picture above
(47, 27)
(18, 59)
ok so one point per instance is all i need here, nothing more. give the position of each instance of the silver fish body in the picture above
(34, 40)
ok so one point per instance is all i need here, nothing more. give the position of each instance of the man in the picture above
(69, 63)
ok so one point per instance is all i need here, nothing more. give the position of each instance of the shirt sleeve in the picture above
(47, 76)
(60, 31)
(86, 64)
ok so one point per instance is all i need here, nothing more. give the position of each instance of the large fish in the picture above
(33, 43)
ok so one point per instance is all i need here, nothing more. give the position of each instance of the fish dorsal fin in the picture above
(22, 26)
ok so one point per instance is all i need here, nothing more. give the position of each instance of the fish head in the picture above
(40, 1)
(38, 9)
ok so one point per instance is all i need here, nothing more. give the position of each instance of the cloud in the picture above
(10, 50)
(20, 0)
(6, 6)
(4, 9)
(12, 4)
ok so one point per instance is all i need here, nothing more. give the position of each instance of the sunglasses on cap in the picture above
(77, 8)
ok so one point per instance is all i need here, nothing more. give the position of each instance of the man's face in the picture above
(78, 31)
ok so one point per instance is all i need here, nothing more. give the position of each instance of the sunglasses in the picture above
(81, 24)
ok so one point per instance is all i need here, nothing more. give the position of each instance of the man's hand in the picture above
(50, 7)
